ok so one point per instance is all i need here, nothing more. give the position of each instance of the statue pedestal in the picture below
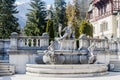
(67, 44)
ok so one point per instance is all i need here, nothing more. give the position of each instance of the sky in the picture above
(48, 2)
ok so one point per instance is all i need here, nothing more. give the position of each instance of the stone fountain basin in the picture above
(63, 52)
(63, 70)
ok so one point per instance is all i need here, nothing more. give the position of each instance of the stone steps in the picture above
(115, 65)
(6, 69)
(4, 61)
(6, 74)
(66, 70)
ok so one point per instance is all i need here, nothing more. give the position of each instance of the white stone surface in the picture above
(20, 61)
(112, 29)
(66, 70)
(110, 76)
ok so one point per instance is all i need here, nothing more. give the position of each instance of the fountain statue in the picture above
(64, 59)
(67, 30)
(91, 49)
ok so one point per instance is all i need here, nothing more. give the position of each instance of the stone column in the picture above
(83, 41)
(44, 42)
(14, 41)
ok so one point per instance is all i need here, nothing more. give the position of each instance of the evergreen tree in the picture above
(8, 22)
(49, 29)
(73, 15)
(35, 25)
(70, 12)
(60, 14)
(86, 28)
(77, 19)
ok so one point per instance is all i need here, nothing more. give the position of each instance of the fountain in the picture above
(63, 59)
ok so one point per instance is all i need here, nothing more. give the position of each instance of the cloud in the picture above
(48, 7)
(19, 3)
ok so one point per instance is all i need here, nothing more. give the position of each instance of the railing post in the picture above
(32, 42)
(36, 42)
(14, 41)
(44, 42)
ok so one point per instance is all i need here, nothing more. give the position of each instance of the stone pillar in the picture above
(83, 42)
(83, 47)
(14, 41)
(44, 42)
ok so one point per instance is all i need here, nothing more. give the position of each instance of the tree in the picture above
(49, 26)
(49, 29)
(70, 12)
(59, 14)
(8, 22)
(73, 15)
(86, 28)
(35, 25)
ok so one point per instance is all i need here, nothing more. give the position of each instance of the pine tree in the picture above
(70, 12)
(86, 28)
(77, 19)
(73, 15)
(49, 26)
(8, 22)
(49, 29)
(35, 25)
(60, 14)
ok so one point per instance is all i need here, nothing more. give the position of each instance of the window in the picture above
(103, 26)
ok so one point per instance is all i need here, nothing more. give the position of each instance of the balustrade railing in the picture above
(100, 44)
(29, 42)
(42, 42)
(33, 42)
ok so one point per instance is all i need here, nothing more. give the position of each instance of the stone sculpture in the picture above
(60, 30)
(91, 49)
(67, 30)
(49, 56)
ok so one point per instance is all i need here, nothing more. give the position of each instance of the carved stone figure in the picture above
(91, 49)
(49, 54)
(67, 30)
(60, 30)
(50, 57)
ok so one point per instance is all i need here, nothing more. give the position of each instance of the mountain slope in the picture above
(23, 10)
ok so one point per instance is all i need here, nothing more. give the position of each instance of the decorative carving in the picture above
(49, 56)
(91, 49)
(67, 30)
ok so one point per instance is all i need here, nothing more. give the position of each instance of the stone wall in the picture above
(4, 46)
(25, 49)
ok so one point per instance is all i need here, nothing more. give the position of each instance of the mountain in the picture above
(23, 10)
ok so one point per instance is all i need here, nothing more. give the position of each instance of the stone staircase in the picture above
(115, 65)
(6, 69)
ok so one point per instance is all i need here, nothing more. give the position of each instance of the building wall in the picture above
(112, 27)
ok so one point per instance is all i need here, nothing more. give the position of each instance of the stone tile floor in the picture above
(110, 76)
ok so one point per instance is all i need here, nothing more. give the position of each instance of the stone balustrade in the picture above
(100, 44)
(32, 42)
(28, 42)
(42, 42)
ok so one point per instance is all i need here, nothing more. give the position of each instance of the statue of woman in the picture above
(60, 29)
(67, 30)
(91, 49)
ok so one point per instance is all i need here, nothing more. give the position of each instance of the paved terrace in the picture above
(110, 76)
